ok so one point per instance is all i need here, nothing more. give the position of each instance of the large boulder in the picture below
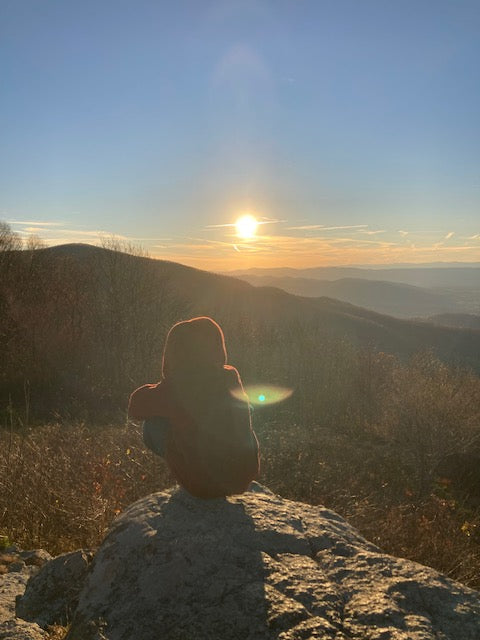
(254, 567)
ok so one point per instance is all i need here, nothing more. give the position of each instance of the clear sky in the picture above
(351, 128)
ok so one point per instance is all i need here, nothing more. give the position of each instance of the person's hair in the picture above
(194, 343)
(193, 362)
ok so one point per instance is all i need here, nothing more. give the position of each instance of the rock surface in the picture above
(12, 584)
(51, 596)
(259, 567)
(17, 629)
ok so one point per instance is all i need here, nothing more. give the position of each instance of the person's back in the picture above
(210, 446)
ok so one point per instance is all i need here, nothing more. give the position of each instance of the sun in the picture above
(246, 227)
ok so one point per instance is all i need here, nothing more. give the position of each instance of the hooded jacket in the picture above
(211, 448)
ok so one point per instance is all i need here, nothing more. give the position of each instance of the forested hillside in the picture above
(82, 325)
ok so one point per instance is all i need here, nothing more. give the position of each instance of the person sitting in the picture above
(198, 415)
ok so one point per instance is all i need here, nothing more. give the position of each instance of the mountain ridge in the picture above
(229, 299)
(417, 276)
(397, 299)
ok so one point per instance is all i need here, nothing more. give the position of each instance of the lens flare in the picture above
(263, 394)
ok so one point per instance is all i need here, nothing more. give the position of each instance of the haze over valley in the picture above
(405, 292)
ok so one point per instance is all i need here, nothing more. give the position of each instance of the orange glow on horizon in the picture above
(243, 259)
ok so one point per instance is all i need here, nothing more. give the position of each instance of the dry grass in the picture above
(62, 486)
(56, 632)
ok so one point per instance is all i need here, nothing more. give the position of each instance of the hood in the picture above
(194, 344)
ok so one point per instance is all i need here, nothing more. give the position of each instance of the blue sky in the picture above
(351, 129)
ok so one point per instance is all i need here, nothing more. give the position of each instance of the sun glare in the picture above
(246, 226)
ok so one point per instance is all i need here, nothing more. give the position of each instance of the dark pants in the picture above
(155, 432)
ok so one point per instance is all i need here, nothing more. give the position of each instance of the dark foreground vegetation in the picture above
(363, 432)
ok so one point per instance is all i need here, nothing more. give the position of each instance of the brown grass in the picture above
(56, 632)
(62, 486)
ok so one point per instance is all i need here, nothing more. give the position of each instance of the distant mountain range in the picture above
(429, 276)
(230, 299)
(392, 298)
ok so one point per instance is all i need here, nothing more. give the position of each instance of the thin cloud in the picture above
(403, 233)
(321, 227)
(362, 241)
(449, 235)
(220, 226)
(265, 220)
(350, 226)
(96, 233)
(32, 230)
(306, 227)
(35, 223)
(217, 243)
(77, 235)
(52, 233)
(373, 233)
(73, 237)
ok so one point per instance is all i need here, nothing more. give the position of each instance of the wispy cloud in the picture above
(213, 243)
(306, 227)
(53, 233)
(94, 233)
(449, 235)
(321, 227)
(220, 226)
(35, 223)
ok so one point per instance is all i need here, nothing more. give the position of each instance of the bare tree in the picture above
(9, 243)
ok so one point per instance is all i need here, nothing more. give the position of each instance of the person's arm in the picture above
(155, 434)
(145, 402)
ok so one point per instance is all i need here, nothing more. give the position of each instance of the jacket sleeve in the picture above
(146, 402)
